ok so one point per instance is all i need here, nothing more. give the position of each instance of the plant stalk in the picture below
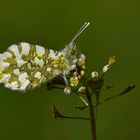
(92, 117)
(74, 118)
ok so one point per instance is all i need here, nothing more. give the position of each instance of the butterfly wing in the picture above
(25, 66)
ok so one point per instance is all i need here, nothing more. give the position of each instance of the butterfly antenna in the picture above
(85, 25)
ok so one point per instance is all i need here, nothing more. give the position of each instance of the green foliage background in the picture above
(114, 30)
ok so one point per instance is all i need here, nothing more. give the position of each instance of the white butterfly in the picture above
(25, 66)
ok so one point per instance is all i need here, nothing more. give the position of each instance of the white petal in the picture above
(74, 61)
(72, 67)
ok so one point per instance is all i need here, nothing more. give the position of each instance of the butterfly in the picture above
(24, 66)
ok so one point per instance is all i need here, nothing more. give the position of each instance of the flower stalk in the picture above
(92, 117)
(56, 114)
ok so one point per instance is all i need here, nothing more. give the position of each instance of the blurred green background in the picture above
(114, 30)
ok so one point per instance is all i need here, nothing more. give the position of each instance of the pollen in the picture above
(74, 81)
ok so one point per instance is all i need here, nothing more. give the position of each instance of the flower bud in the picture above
(82, 56)
(82, 90)
(83, 67)
(67, 90)
(94, 74)
(82, 72)
(112, 60)
(75, 74)
(106, 68)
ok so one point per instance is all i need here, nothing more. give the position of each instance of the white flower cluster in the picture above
(77, 75)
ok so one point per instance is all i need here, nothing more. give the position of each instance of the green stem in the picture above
(92, 117)
(83, 100)
(77, 118)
